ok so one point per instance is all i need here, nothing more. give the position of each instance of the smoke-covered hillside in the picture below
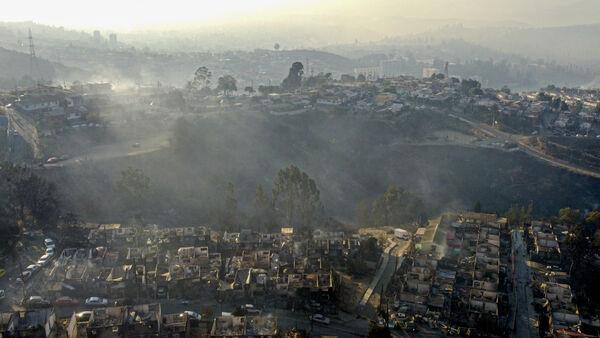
(350, 158)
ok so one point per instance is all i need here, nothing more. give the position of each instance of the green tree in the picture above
(227, 84)
(296, 195)
(568, 216)
(592, 218)
(294, 78)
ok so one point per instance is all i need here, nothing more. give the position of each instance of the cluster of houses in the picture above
(144, 320)
(149, 265)
(552, 291)
(455, 276)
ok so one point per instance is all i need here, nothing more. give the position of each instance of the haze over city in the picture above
(299, 168)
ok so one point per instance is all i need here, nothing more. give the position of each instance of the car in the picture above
(136, 145)
(250, 309)
(24, 277)
(45, 259)
(96, 301)
(37, 302)
(52, 160)
(50, 251)
(49, 242)
(65, 301)
(2, 294)
(192, 314)
(319, 318)
(33, 268)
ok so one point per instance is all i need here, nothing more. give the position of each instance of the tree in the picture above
(230, 212)
(276, 46)
(263, 208)
(134, 186)
(568, 216)
(227, 84)
(396, 207)
(296, 195)
(294, 79)
(31, 194)
(592, 219)
(202, 78)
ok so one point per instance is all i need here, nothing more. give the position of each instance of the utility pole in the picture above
(33, 65)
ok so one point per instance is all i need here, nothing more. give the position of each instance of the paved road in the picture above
(392, 258)
(521, 142)
(526, 320)
(118, 150)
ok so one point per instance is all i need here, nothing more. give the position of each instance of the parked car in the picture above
(96, 301)
(50, 251)
(53, 159)
(37, 302)
(24, 277)
(49, 243)
(192, 314)
(45, 259)
(65, 301)
(33, 268)
(319, 318)
(2, 294)
(250, 309)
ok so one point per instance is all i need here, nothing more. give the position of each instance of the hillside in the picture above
(351, 159)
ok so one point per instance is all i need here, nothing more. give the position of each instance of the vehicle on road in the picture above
(37, 302)
(49, 243)
(2, 294)
(319, 318)
(50, 251)
(96, 301)
(65, 301)
(53, 159)
(136, 145)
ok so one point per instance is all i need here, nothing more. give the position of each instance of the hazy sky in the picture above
(127, 14)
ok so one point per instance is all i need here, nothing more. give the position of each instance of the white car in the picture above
(250, 309)
(49, 243)
(192, 314)
(45, 259)
(96, 301)
(320, 319)
(50, 251)
(33, 268)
